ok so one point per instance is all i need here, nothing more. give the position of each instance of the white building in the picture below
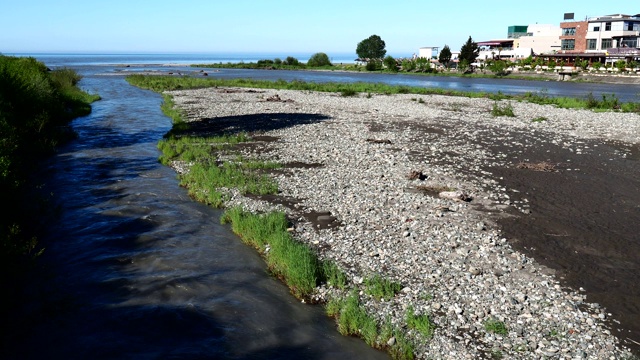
(502, 49)
(613, 32)
(540, 38)
(429, 52)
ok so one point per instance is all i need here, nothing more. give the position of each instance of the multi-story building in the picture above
(540, 38)
(573, 36)
(614, 34)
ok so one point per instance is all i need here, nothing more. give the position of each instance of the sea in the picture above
(87, 59)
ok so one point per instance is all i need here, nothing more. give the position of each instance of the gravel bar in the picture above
(420, 208)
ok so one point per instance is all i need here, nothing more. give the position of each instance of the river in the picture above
(133, 268)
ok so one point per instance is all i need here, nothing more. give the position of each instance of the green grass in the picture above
(162, 83)
(421, 323)
(353, 320)
(381, 288)
(496, 327)
(504, 110)
(286, 258)
(333, 275)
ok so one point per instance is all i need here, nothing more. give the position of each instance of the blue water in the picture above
(123, 64)
(71, 60)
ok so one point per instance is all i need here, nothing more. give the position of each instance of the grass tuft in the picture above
(496, 327)
(505, 110)
(421, 323)
(381, 288)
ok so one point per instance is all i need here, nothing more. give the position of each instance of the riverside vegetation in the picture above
(36, 107)
(292, 261)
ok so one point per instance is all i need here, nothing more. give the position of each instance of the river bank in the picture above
(410, 187)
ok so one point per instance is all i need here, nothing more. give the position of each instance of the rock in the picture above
(391, 341)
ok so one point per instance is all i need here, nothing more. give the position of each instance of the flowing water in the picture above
(134, 269)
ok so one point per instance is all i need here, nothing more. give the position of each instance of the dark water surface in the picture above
(134, 269)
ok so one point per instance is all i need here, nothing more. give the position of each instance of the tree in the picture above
(372, 47)
(469, 53)
(319, 59)
(290, 60)
(445, 56)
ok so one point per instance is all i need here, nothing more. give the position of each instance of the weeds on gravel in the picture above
(421, 323)
(496, 327)
(504, 110)
(348, 92)
(381, 288)
(286, 258)
(539, 119)
(353, 320)
(228, 175)
(333, 275)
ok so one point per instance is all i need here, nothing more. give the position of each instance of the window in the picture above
(606, 44)
(607, 26)
(591, 44)
(568, 44)
(596, 28)
(568, 31)
(629, 26)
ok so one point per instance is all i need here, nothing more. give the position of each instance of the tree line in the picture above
(372, 50)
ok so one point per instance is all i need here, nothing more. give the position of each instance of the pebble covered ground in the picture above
(403, 201)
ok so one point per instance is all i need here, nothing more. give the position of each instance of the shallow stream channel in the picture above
(135, 269)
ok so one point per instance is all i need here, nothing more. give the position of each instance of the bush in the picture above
(319, 59)
(408, 65)
(373, 65)
(391, 63)
(290, 60)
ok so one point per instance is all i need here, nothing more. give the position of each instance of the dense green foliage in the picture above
(468, 53)
(372, 47)
(36, 106)
(391, 63)
(319, 59)
(445, 56)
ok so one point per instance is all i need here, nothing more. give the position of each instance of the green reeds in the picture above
(353, 320)
(287, 258)
(381, 288)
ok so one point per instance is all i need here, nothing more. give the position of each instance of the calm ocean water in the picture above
(64, 59)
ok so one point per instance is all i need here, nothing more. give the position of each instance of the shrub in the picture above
(408, 65)
(373, 65)
(290, 60)
(390, 63)
(319, 59)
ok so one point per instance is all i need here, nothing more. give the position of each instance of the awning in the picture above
(494, 43)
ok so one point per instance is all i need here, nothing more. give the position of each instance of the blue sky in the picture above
(275, 26)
